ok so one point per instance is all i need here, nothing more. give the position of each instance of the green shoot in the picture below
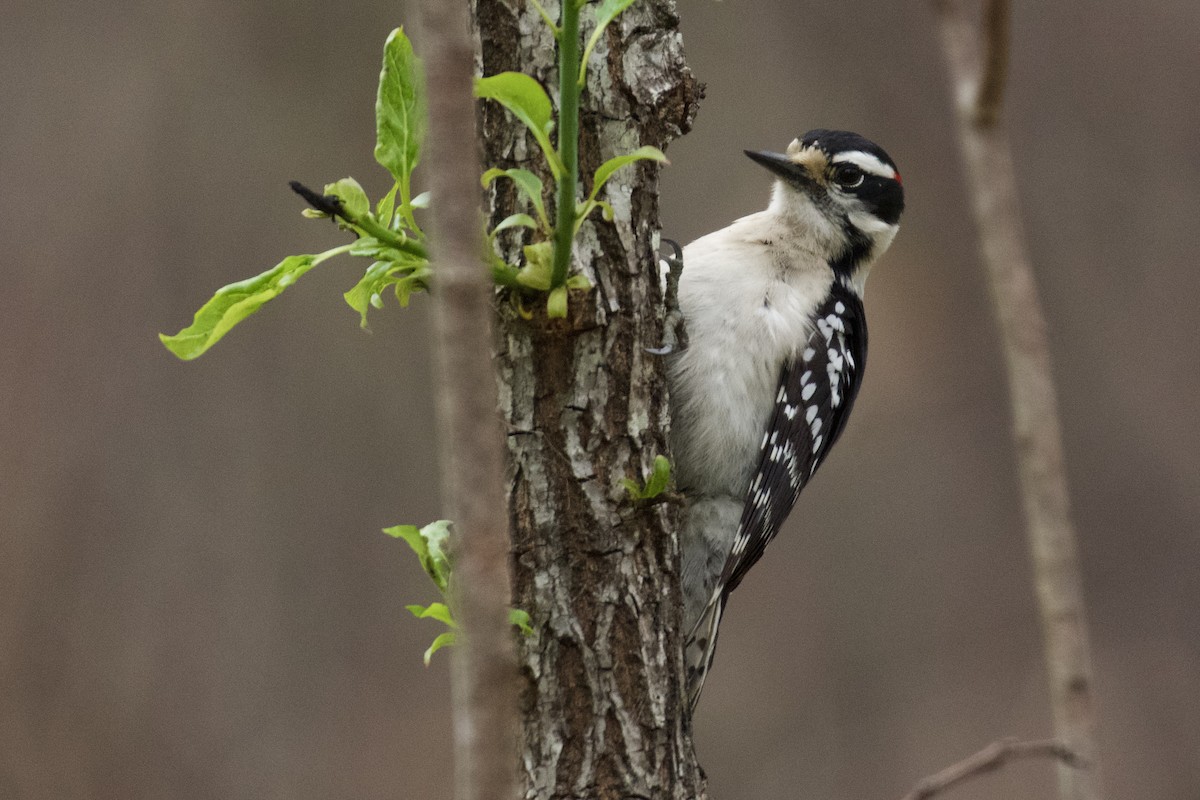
(656, 484)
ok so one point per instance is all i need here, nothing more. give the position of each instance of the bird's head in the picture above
(843, 188)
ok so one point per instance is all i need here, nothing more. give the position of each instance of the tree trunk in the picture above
(603, 701)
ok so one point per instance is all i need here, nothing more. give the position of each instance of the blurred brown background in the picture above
(195, 601)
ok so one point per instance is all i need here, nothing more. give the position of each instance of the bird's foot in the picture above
(674, 331)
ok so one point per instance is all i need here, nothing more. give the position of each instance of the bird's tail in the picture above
(701, 646)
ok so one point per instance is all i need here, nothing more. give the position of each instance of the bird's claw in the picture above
(674, 331)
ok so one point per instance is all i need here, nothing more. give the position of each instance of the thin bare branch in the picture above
(992, 757)
(472, 443)
(996, 28)
(1036, 428)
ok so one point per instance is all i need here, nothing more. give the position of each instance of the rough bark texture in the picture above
(603, 699)
(1036, 429)
(472, 443)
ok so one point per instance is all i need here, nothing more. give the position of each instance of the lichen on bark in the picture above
(603, 702)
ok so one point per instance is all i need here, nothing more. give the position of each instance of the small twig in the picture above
(325, 203)
(992, 757)
(990, 97)
(333, 206)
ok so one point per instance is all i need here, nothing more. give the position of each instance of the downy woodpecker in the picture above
(777, 342)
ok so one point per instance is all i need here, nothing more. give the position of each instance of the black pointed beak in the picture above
(782, 166)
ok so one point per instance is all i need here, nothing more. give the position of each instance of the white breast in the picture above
(747, 297)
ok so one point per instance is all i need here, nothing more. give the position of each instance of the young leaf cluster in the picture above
(431, 545)
(547, 260)
(387, 231)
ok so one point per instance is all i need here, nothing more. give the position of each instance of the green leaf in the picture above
(606, 12)
(539, 266)
(582, 210)
(514, 221)
(415, 281)
(370, 247)
(438, 611)
(520, 619)
(353, 198)
(404, 272)
(406, 212)
(606, 170)
(556, 303)
(445, 640)
(233, 303)
(659, 478)
(429, 543)
(529, 184)
(632, 488)
(367, 292)
(579, 282)
(412, 535)
(400, 112)
(437, 535)
(504, 274)
(528, 101)
(522, 95)
(386, 207)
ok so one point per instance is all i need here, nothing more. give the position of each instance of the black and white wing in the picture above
(816, 393)
(812, 404)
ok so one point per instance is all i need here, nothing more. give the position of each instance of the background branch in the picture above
(472, 454)
(996, 28)
(1038, 436)
(992, 757)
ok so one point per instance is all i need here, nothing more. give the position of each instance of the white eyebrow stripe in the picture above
(866, 162)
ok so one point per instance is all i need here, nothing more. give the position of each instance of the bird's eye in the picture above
(848, 176)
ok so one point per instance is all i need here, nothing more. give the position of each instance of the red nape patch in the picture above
(898, 179)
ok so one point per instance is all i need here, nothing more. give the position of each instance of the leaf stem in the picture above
(328, 254)
(568, 139)
(546, 18)
(389, 237)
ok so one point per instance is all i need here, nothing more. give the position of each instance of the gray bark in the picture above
(603, 700)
